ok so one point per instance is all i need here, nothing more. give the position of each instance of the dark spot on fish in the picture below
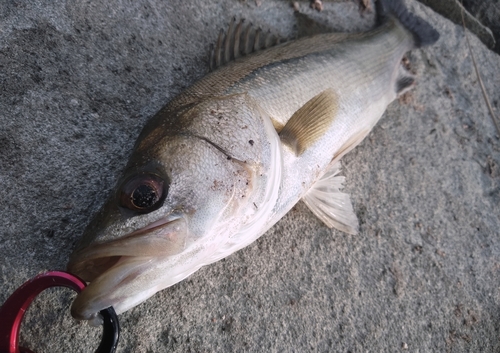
(50, 233)
(228, 158)
(251, 142)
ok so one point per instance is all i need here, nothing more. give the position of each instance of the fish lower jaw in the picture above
(115, 288)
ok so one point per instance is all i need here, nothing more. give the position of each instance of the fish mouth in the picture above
(113, 268)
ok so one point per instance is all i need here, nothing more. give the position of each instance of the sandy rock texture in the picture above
(488, 12)
(467, 14)
(79, 79)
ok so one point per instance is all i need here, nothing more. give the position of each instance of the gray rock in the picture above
(455, 11)
(79, 80)
(488, 13)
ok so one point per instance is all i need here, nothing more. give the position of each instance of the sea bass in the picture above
(226, 159)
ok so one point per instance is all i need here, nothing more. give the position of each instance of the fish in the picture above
(228, 157)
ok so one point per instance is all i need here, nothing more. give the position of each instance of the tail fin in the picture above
(423, 33)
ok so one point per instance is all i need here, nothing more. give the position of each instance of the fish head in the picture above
(179, 200)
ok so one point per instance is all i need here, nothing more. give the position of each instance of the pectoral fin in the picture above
(310, 122)
(330, 205)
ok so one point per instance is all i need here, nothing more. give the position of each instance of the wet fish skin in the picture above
(228, 157)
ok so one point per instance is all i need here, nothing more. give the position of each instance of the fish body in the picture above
(231, 155)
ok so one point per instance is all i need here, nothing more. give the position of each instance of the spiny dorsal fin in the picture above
(240, 39)
(331, 206)
(308, 26)
(310, 122)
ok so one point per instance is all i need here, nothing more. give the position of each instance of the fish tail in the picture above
(423, 33)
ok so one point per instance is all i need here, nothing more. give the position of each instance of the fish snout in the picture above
(161, 238)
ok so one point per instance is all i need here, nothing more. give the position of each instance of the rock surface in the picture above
(79, 79)
(488, 13)
(458, 13)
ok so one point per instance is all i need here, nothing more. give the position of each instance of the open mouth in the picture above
(161, 238)
(112, 267)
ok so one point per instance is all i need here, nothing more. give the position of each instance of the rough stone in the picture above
(488, 13)
(455, 11)
(79, 79)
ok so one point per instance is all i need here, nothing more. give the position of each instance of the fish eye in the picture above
(143, 193)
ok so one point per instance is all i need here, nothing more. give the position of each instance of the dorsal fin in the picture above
(308, 26)
(240, 39)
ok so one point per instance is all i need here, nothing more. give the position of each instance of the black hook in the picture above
(110, 331)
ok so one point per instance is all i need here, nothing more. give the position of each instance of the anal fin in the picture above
(329, 204)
